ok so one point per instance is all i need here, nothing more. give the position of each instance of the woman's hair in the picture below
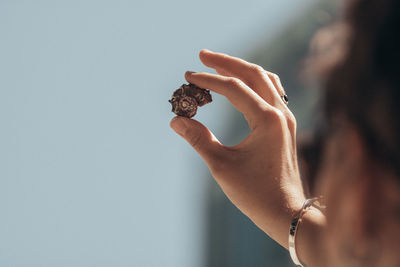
(363, 85)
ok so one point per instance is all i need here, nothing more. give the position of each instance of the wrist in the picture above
(309, 237)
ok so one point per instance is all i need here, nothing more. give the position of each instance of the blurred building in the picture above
(233, 240)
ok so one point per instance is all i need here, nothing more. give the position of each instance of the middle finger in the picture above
(252, 75)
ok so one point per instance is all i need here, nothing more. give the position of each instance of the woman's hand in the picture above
(260, 175)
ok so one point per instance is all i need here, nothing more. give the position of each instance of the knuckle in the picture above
(290, 116)
(291, 120)
(272, 117)
(277, 121)
(258, 70)
(276, 116)
(234, 82)
(275, 77)
(292, 125)
(280, 118)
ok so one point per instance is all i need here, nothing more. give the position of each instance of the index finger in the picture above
(251, 74)
(238, 93)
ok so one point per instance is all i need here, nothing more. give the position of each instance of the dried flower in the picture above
(185, 100)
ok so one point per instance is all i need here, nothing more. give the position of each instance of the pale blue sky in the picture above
(88, 164)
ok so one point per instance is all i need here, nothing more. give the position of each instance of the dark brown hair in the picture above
(364, 85)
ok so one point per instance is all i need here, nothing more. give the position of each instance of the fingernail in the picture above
(178, 126)
(188, 73)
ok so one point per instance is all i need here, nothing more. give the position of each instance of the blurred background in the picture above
(90, 172)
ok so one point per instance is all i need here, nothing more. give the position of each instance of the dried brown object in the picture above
(185, 100)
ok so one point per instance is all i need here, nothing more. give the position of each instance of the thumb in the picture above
(198, 136)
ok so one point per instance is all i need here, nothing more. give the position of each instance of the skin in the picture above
(363, 198)
(260, 175)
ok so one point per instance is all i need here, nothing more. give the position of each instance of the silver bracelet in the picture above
(295, 223)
